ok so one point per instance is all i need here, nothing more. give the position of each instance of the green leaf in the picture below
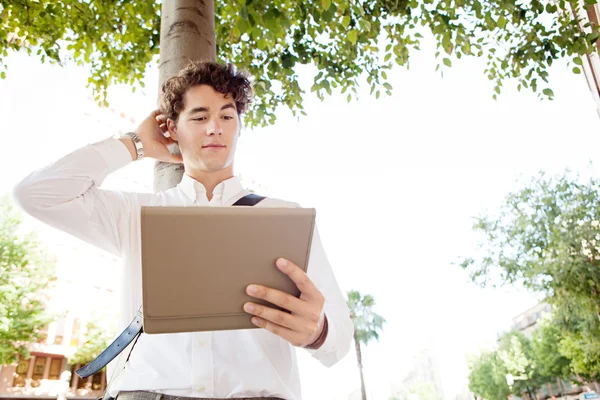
(346, 21)
(244, 13)
(502, 22)
(365, 25)
(548, 92)
(577, 70)
(243, 27)
(447, 62)
(352, 36)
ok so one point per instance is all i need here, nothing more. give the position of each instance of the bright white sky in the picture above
(396, 183)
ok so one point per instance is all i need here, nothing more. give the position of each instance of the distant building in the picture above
(526, 322)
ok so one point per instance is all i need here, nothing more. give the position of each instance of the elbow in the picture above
(22, 197)
(31, 196)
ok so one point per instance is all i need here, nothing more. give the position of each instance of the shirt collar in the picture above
(223, 192)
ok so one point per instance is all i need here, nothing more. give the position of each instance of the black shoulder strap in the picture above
(249, 200)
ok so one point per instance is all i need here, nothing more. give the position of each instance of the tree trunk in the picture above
(360, 367)
(187, 32)
(561, 387)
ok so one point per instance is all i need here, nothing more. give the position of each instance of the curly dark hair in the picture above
(224, 78)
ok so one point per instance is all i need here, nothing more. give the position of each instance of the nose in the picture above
(213, 128)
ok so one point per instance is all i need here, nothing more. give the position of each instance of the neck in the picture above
(210, 180)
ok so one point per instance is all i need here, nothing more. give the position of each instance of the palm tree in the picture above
(367, 326)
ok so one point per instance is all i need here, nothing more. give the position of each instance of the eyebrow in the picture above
(206, 109)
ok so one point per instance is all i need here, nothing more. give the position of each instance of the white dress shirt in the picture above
(221, 364)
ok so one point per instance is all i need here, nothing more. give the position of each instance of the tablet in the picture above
(198, 261)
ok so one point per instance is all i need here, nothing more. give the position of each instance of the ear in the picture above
(172, 128)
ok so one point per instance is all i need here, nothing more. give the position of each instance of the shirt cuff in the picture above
(328, 346)
(114, 152)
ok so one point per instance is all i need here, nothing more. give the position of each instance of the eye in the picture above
(227, 117)
(199, 119)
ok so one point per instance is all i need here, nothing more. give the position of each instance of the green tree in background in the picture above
(547, 238)
(26, 273)
(580, 341)
(549, 360)
(487, 377)
(367, 326)
(96, 340)
(347, 41)
(515, 351)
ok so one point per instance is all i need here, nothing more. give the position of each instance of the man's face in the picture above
(207, 129)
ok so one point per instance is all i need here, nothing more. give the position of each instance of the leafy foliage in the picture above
(346, 41)
(487, 377)
(25, 276)
(96, 340)
(516, 353)
(580, 342)
(550, 354)
(367, 323)
(549, 361)
(547, 237)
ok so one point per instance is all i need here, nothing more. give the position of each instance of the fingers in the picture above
(299, 277)
(302, 325)
(160, 118)
(277, 297)
(295, 338)
(277, 317)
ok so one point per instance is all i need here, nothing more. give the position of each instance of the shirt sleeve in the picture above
(66, 194)
(340, 326)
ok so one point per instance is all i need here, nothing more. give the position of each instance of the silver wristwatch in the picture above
(139, 148)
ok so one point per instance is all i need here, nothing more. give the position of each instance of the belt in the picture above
(142, 395)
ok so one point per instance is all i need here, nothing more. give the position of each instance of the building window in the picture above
(21, 373)
(60, 330)
(76, 332)
(82, 383)
(43, 335)
(97, 381)
(38, 371)
(55, 369)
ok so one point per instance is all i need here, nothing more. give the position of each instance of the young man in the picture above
(201, 111)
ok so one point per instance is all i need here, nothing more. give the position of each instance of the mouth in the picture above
(213, 146)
